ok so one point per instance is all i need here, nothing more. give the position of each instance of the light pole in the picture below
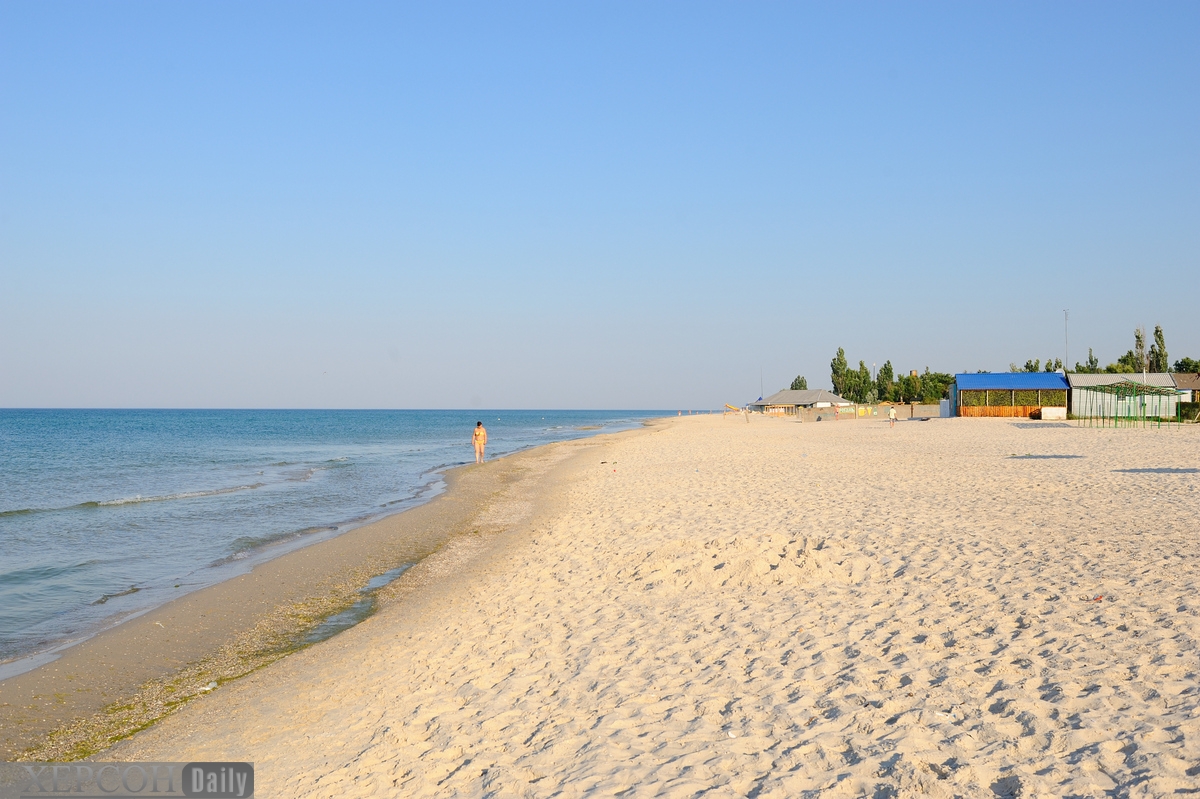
(1066, 340)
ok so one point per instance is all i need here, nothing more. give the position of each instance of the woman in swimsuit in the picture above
(479, 437)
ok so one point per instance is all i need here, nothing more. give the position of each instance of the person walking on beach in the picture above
(892, 416)
(479, 438)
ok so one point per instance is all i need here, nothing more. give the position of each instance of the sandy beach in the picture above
(946, 608)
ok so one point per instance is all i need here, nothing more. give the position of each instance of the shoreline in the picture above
(233, 568)
(166, 657)
(155, 523)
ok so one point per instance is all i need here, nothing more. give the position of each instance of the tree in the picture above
(1133, 361)
(1091, 367)
(1035, 365)
(838, 368)
(800, 384)
(883, 382)
(1157, 361)
(935, 386)
(1187, 365)
(909, 388)
(1126, 364)
(864, 387)
(852, 384)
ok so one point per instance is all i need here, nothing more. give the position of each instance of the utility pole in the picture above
(1066, 339)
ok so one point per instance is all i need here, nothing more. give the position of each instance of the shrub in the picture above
(998, 397)
(972, 399)
(1054, 397)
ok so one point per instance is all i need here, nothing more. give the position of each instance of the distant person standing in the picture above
(892, 416)
(479, 438)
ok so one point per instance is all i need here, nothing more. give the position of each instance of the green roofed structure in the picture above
(1124, 400)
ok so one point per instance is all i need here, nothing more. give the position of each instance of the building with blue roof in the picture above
(1008, 393)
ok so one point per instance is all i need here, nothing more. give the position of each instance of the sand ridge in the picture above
(774, 609)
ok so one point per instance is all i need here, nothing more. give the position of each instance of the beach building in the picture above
(1009, 394)
(788, 402)
(1188, 386)
(1153, 395)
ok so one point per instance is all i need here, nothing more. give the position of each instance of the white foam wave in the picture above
(182, 495)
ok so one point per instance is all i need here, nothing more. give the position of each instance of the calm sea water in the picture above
(106, 513)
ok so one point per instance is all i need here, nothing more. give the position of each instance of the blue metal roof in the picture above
(1004, 381)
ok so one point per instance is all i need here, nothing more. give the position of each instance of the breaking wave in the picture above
(137, 499)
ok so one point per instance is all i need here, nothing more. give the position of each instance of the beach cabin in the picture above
(1026, 394)
(1104, 395)
(1188, 386)
(788, 402)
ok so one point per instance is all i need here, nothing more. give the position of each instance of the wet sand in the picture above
(770, 609)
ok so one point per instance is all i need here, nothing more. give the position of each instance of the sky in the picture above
(658, 205)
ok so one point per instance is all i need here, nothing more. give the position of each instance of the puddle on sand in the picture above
(356, 612)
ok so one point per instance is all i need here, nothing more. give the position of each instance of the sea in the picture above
(105, 514)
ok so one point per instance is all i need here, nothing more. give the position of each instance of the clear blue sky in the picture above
(639, 205)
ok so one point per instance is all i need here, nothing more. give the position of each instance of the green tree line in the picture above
(858, 385)
(1140, 359)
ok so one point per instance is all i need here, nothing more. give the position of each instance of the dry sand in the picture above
(770, 609)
